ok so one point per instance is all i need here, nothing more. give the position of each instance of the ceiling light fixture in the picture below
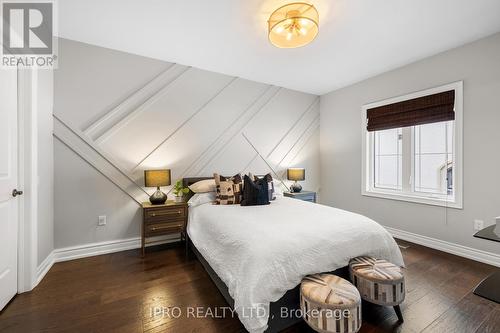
(293, 25)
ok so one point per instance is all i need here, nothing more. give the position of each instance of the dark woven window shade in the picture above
(422, 110)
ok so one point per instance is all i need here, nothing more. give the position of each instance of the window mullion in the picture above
(407, 159)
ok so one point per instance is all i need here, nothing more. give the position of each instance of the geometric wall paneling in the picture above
(92, 80)
(204, 164)
(233, 158)
(295, 112)
(306, 157)
(197, 135)
(121, 113)
(290, 158)
(294, 132)
(138, 134)
(277, 118)
(98, 160)
(153, 88)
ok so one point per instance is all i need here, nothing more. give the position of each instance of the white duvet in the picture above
(260, 252)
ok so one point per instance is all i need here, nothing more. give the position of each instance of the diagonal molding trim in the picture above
(231, 131)
(96, 159)
(223, 142)
(129, 104)
(295, 124)
(200, 109)
(258, 154)
(178, 72)
(304, 138)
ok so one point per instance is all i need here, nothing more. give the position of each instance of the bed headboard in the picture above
(191, 180)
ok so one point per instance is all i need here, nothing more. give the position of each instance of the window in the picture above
(412, 149)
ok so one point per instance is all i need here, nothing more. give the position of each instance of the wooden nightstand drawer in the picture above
(165, 213)
(164, 228)
(160, 220)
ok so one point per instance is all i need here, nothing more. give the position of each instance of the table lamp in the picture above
(296, 174)
(157, 178)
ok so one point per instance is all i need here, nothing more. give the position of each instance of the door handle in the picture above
(15, 192)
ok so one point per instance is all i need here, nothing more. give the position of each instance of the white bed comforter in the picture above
(260, 252)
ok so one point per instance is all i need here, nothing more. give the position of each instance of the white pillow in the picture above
(203, 186)
(279, 188)
(201, 198)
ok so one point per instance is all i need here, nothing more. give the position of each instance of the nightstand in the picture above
(158, 220)
(302, 195)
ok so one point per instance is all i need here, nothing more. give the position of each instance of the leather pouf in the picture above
(378, 281)
(330, 304)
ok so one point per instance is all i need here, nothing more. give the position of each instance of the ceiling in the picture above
(357, 39)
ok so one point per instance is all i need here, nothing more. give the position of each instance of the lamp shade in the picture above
(296, 174)
(154, 178)
(293, 25)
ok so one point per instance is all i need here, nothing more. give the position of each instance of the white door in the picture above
(8, 182)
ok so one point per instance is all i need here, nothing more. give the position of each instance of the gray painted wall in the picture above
(478, 65)
(117, 114)
(43, 102)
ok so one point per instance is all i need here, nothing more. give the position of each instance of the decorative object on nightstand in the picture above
(179, 191)
(166, 219)
(157, 178)
(296, 174)
(304, 195)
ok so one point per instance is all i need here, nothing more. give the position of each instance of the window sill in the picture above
(414, 199)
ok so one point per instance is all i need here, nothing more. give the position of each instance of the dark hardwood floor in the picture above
(116, 293)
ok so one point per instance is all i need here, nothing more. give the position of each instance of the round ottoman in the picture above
(330, 304)
(378, 282)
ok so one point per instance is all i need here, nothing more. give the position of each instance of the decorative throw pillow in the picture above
(270, 184)
(255, 192)
(228, 189)
(203, 186)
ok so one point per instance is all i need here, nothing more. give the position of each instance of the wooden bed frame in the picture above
(290, 299)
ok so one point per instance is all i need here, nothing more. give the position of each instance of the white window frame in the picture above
(367, 150)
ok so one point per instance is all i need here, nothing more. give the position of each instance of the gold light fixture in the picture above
(293, 25)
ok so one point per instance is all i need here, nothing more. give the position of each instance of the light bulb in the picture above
(289, 36)
(279, 29)
(303, 31)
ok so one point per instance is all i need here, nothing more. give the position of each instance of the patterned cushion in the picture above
(228, 189)
(377, 280)
(330, 304)
(270, 184)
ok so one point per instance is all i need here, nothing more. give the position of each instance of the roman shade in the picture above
(422, 110)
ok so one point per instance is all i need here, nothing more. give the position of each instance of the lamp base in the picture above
(295, 187)
(158, 198)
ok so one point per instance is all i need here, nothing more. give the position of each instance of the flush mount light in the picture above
(293, 25)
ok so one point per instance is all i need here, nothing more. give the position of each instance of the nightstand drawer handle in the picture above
(177, 212)
(165, 227)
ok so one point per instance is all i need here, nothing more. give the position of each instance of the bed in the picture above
(258, 255)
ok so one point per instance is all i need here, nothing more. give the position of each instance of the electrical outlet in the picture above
(102, 220)
(478, 225)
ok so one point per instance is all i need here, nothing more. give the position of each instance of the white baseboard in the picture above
(43, 268)
(453, 248)
(95, 249)
(90, 250)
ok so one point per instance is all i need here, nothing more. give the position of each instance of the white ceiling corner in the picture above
(358, 38)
